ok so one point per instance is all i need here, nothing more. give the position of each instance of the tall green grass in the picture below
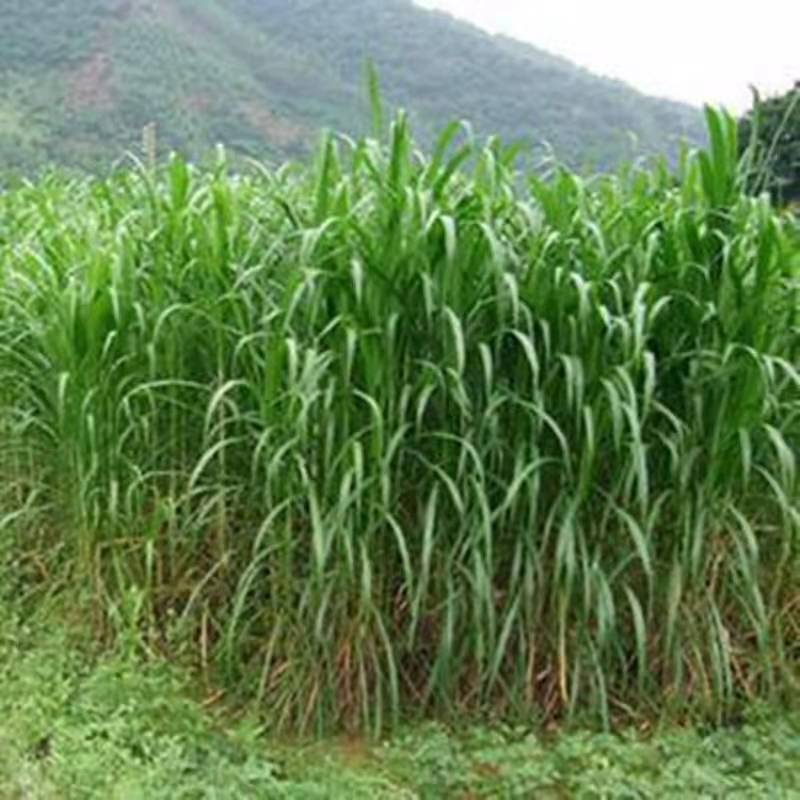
(396, 433)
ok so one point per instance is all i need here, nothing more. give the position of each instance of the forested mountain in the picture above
(79, 79)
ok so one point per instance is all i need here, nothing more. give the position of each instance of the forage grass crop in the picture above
(396, 433)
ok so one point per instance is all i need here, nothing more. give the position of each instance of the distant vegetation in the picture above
(775, 124)
(387, 435)
(81, 78)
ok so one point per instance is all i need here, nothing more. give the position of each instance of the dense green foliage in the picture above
(775, 125)
(390, 434)
(78, 726)
(81, 78)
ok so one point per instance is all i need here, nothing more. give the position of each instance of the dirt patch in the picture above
(90, 84)
(197, 103)
(122, 10)
(274, 128)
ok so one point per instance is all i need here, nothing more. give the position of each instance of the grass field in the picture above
(394, 437)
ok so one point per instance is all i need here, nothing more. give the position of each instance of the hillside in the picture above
(81, 78)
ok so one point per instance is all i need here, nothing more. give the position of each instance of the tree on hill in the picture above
(772, 127)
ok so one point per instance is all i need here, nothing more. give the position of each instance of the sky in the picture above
(698, 51)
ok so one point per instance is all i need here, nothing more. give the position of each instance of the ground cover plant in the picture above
(398, 435)
(79, 722)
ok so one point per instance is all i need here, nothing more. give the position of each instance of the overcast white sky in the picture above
(693, 50)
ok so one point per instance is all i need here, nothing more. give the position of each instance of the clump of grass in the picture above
(396, 433)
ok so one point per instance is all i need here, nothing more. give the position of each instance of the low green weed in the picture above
(81, 723)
